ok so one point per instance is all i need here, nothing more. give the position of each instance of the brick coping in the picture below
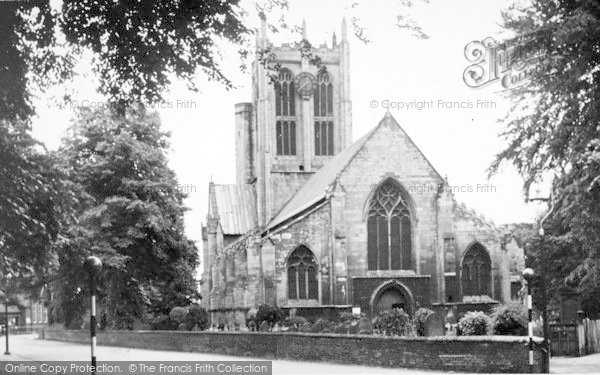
(494, 338)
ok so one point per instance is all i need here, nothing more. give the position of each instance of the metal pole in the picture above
(93, 265)
(530, 329)
(528, 274)
(7, 352)
(546, 327)
(93, 325)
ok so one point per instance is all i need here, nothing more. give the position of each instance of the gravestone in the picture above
(434, 324)
(364, 326)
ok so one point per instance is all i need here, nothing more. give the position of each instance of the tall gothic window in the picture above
(388, 229)
(476, 271)
(323, 99)
(302, 274)
(285, 113)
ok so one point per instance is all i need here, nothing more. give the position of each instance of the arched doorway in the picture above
(390, 295)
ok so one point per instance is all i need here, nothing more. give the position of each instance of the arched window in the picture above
(285, 113)
(302, 274)
(389, 229)
(323, 100)
(476, 271)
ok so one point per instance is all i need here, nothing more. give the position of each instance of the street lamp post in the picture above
(543, 270)
(528, 276)
(5, 299)
(93, 265)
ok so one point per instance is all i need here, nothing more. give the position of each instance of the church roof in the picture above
(235, 207)
(316, 187)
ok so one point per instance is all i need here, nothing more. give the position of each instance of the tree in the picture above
(136, 46)
(131, 216)
(553, 126)
(33, 201)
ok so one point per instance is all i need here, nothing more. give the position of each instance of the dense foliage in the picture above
(475, 323)
(269, 313)
(136, 46)
(420, 318)
(131, 216)
(510, 318)
(554, 128)
(33, 201)
(395, 322)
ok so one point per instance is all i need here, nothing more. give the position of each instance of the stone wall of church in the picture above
(312, 231)
(389, 153)
(471, 229)
(285, 185)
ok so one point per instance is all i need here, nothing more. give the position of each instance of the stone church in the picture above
(318, 224)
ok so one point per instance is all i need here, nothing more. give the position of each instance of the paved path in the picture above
(576, 365)
(29, 348)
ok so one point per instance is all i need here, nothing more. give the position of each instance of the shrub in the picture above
(163, 323)
(306, 327)
(510, 318)
(178, 314)
(197, 317)
(420, 317)
(251, 322)
(320, 325)
(395, 322)
(475, 323)
(297, 321)
(270, 314)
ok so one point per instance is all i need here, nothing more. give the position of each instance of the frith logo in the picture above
(498, 62)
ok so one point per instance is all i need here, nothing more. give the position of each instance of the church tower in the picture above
(299, 118)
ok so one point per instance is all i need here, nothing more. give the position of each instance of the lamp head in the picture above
(92, 265)
(528, 274)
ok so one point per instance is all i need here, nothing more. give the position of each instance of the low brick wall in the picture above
(450, 353)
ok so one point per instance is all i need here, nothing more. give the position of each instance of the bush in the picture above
(163, 323)
(197, 317)
(420, 317)
(475, 323)
(510, 318)
(251, 322)
(178, 314)
(297, 321)
(320, 325)
(270, 314)
(393, 323)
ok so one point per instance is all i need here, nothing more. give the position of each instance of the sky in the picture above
(457, 127)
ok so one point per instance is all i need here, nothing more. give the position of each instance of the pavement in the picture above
(589, 364)
(30, 348)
